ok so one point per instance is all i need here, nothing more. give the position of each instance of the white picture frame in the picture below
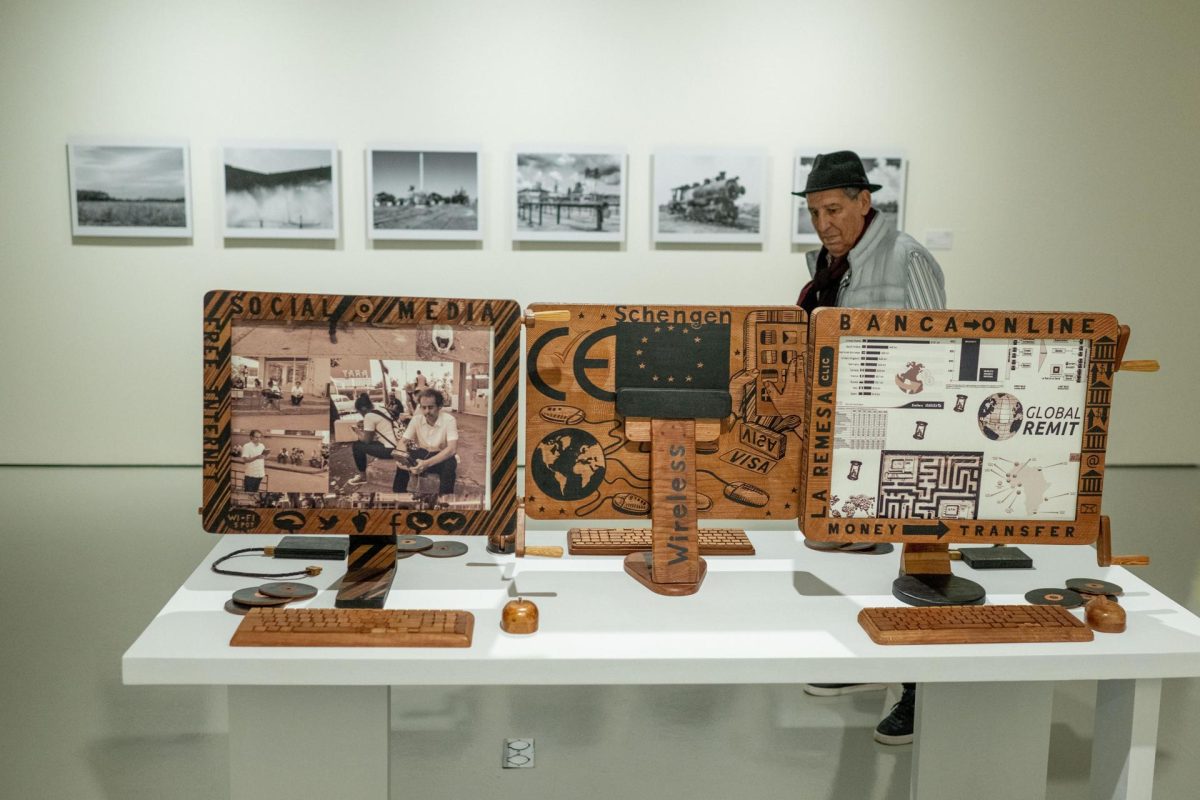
(130, 187)
(279, 190)
(889, 171)
(569, 194)
(709, 195)
(423, 193)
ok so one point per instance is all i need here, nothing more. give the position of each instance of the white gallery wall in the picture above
(1059, 142)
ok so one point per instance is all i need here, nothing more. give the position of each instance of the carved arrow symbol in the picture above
(973, 324)
(938, 530)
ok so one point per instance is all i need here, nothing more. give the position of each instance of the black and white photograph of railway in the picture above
(709, 196)
(129, 188)
(423, 194)
(281, 191)
(886, 171)
(569, 195)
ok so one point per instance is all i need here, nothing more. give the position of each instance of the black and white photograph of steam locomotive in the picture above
(709, 196)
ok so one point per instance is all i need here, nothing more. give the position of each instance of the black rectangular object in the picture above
(674, 403)
(1004, 557)
(673, 371)
(331, 548)
(968, 363)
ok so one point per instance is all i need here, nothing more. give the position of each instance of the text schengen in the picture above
(681, 512)
(678, 316)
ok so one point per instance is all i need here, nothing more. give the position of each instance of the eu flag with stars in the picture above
(673, 370)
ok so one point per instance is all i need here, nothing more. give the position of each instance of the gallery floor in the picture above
(92, 553)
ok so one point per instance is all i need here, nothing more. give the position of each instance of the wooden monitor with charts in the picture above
(935, 427)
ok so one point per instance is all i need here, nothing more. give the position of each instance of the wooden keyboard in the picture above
(972, 625)
(623, 541)
(353, 627)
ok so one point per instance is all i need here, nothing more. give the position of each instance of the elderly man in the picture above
(863, 264)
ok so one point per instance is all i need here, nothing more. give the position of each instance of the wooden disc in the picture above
(413, 544)
(448, 549)
(289, 589)
(252, 597)
(1094, 586)
(1067, 598)
(234, 607)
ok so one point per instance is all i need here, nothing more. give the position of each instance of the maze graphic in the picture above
(929, 485)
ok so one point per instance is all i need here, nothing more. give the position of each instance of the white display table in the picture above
(786, 615)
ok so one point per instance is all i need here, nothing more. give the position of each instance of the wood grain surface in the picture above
(584, 462)
(329, 322)
(821, 520)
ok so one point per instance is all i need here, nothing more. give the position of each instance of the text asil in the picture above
(679, 511)
(1051, 421)
(677, 316)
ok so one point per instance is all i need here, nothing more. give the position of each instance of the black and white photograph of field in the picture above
(280, 191)
(423, 194)
(709, 196)
(569, 196)
(129, 188)
(886, 171)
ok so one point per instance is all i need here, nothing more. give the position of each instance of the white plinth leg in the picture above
(308, 742)
(986, 741)
(1124, 740)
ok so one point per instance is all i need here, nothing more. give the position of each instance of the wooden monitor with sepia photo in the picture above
(309, 409)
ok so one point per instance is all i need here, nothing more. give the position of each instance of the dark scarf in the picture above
(822, 290)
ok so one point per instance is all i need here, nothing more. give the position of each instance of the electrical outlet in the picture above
(518, 754)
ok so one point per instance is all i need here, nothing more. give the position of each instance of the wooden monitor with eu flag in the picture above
(972, 427)
(676, 413)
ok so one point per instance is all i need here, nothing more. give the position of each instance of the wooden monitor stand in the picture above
(673, 565)
(370, 568)
(926, 580)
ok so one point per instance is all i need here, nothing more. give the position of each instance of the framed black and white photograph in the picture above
(130, 187)
(569, 194)
(423, 193)
(709, 195)
(887, 171)
(280, 190)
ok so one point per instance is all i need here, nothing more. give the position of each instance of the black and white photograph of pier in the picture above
(423, 194)
(709, 196)
(886, 171)
(281, 191)
(570, 196)
(129, 188)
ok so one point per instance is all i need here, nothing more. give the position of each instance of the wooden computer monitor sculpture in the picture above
(935, 427)
(308, 402)
(677, 413)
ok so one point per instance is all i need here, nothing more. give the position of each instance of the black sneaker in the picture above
(835, 689)
(897, 727)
